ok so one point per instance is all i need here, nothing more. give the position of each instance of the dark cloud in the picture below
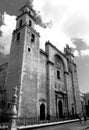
(1, 22)
(79, 43)
(1, 19)
(76, 25)
(11, 6)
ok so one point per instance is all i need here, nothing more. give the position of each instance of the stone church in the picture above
(47, 80)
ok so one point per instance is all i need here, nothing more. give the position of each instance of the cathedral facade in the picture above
(47, 80)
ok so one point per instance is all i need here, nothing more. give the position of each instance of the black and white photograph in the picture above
(44, 64)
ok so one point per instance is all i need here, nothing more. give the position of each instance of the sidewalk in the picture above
(68, 125)
(82, 126)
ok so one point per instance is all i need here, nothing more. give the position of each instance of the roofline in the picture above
(26, 5)
(43, 52)
(48, 43)
(18, 29)
(24, 14)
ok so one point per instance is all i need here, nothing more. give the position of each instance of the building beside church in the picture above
(47, 80)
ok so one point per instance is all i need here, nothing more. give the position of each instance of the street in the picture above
(69, 126)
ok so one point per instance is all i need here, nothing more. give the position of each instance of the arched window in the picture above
(32, 38)
(20, 23)
(72, 111)
(42, 112)
(30, 23)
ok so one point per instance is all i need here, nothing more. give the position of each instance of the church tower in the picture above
(72, 67)
(69, 54)
(23, 63)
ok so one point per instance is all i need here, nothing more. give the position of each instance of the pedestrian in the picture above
(85, 119)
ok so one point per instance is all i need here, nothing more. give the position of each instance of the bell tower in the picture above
(69, 54)
(23, 63)
(73, 72)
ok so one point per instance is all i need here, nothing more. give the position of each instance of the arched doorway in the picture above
(72, 111)
(42, 112)
(60, 108)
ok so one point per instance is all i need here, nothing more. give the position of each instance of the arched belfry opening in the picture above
(42, 112)
(60, 108)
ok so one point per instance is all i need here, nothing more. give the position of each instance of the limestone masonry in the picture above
(47, 80)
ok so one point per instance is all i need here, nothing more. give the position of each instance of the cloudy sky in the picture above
(69, 24)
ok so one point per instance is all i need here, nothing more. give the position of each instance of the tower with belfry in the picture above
(24, 62)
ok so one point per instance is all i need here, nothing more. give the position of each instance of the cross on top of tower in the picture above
(68, 50)
(28, 8)
(28, 4)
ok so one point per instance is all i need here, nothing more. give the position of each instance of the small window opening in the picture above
(32, 38)
(29, 12)
(30, 23)
(18, 36)
(58, 74)
(20, 24)
(29, 49)
(23, 11)
(8, 105)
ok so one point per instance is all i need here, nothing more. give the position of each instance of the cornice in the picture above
(25, 25)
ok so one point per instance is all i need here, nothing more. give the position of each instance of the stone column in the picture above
(73, 86)
(13, 112)
(66, 85)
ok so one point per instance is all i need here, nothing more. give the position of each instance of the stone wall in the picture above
(3, 71)
(14, 70)
(42, 90)
(70, 93)
(51, 74)
(76, 89)
(29, 77)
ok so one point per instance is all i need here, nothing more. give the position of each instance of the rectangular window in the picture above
(58, 74)
(18, 36)
(30, 23)
(20, 24)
